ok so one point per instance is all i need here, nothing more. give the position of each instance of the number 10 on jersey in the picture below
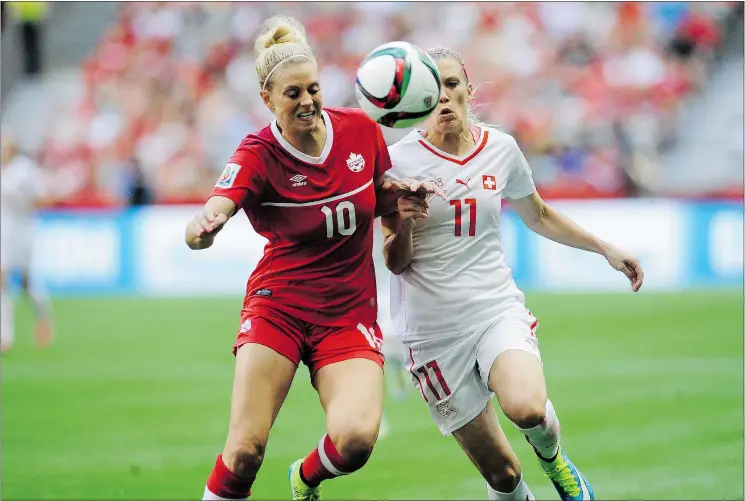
(458, 204)
(342, 226)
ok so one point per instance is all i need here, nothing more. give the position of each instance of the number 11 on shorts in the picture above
(432, 366)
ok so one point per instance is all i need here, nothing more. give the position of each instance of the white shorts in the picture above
(15, 249)
(452, 373)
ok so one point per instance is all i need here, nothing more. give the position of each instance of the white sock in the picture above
(7, 334)
(521, 493)
(40, 299)
(210, 496)
(545, 437)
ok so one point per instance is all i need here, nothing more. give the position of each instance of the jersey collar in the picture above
(299, 154)
(460, 160)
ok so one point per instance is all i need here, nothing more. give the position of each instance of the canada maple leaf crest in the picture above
(355, 162)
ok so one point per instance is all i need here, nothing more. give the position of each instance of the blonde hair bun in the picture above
(281, 38)
(279, 30)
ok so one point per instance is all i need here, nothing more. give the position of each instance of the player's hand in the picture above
(209, 222)
(391, 190)
(421, 188)
(626, 264)
(201, 230)
(411, 208)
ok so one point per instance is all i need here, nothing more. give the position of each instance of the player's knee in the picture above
(525, 412)
(355, 442)
(244, 458)
(504, 478)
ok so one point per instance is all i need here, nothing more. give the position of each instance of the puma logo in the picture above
(458, 181)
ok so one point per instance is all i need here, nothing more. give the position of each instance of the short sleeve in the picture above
(243, 178)
(382, 158)
(520, 180)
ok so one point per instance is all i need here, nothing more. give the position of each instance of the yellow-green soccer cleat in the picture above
(300, 491)
(567, 479)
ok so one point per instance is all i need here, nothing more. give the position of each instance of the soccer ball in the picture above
(398, 85)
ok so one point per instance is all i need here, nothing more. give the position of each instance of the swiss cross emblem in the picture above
(490, 182)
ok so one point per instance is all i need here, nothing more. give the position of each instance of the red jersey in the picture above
(317, 213)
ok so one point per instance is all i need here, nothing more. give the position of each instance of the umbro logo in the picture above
(355, 162)
(298, 180)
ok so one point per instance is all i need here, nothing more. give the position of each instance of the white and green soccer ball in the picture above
(398, 85)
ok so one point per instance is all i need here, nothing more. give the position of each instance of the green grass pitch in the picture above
(132, 402)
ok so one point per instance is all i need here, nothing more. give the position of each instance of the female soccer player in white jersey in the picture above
(311, 183)
(463, 321)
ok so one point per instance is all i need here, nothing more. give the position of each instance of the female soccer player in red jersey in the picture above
(447, 257)
(311, 183)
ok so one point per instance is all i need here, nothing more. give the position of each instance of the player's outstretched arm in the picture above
(201, 230)
(550, 223)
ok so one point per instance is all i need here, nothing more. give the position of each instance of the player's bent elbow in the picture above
(394, 267)
(397, 270)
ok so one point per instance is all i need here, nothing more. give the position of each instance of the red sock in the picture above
(225, 484)
(323, 463)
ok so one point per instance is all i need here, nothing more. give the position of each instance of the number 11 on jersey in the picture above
(457, 204)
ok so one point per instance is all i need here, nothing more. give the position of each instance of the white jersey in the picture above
(22, 184)
(458, 277)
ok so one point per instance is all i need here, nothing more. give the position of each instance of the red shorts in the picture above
(316, 345)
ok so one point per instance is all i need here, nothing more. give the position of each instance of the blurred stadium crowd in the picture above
(591, 91)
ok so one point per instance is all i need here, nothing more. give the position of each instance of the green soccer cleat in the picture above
(300, 491)
(567, 479)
